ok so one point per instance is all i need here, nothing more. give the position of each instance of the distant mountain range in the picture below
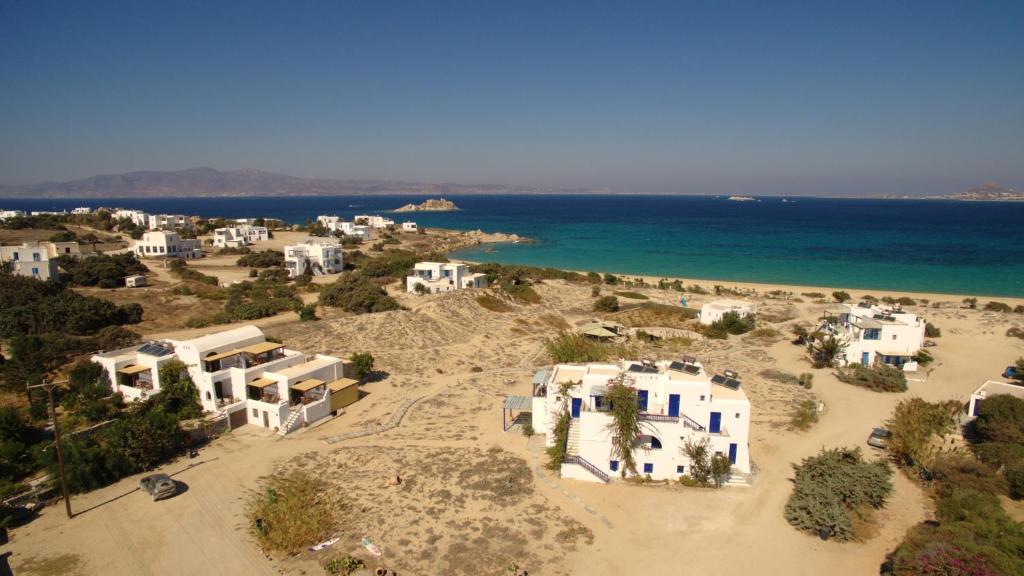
(212, 182)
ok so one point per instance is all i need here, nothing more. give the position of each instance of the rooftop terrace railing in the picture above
(657, 417)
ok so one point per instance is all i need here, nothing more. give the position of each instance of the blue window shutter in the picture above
(648, 468)
(680, 469)
(613, 465)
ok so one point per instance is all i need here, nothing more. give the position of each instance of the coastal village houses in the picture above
(240, 375)
(238, 236)
(320, 255)
(5, 214)
(336, 224)
(169, 221)
(874, 333)
(714, 311)
(162, 244)
(378, 222)
(437, 277)
(679, 402)
(37, 259)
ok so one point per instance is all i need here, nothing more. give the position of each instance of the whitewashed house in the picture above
(238, 236)
(679, 402)
(37, 259)
(337, 225)
(443, 277)
(409, 227)
(989, 389)
(874, 333)
(167, 245)
(320, 255)
(5, 214)
(237, 373)
(377, 222)
(138, 217)
(714, 311)
(82, 210)
(169, 221)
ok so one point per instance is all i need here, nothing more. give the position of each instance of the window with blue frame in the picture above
(613, 465)
(648, 468)
(680, 469)
(872, 334)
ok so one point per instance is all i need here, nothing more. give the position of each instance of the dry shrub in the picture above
(555, 321)
(290, 512)
(492, 303)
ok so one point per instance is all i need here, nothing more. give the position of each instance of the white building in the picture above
(169, 221)
(678, 401)
(713, 311)
(336, 224)
(443, 277)
(874, 333)
(237, 373)
(82, 210)
(321, 255)
(989, 389)
(167, 245)
(136, 281)
(5, 214)
(409, 227)
(37, 259)
(374, 221)
(138, 217)
(238, 236)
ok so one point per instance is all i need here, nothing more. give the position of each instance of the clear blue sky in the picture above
(696, 97)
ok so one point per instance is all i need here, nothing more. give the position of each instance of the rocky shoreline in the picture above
(430, 205)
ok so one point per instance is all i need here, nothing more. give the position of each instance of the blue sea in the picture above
(909, 245)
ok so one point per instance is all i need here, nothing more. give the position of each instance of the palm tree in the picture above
(825, 351)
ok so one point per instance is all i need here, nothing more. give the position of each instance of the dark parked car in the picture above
(158, 486)
(879, 438)
(1010, 372)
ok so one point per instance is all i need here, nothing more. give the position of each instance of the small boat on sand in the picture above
(371, 547)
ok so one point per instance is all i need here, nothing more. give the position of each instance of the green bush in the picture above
(879, 378)
(571, 347)
(492, 303)
(606, 304)
(804, 415)
(998, 307)
(308, 313)
(290, 512)
(595, 291)
(931, 330)
(729, 323)
(362, 364)
(355, 293)
(102, 270)
(1000, 418)
(264, 259)
(832, 487)
(841, 296)
(342, 566)
(913, 425)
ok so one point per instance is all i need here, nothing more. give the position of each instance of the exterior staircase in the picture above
(739, 479)
(291, 423)
(572, 448)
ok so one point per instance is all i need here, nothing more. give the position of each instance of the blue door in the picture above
(641, 400)
(732, 453)
(716, 423)
(864, 358)
(576, 403)
(673, 405)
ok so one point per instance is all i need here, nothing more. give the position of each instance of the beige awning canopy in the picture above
(134, 369)
(261, 347)
(262, 383)
(341, 384)
(307, 385)
(221, 356)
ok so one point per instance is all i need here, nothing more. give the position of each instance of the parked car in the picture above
(879, 438)
(158, 486)
(1010, 372)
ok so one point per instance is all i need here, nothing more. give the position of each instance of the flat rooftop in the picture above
(307, 367)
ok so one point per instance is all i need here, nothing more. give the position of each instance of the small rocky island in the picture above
(430, 205)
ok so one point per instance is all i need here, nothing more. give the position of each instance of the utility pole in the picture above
(49, 386)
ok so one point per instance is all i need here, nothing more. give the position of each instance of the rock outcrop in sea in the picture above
(430, 205)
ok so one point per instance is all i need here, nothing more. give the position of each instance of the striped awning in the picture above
(307, 385)
(134, 369)
(541, 376)
(518, 403)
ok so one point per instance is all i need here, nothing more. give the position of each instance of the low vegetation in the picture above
(660, 315)
(570, 347)
(998, 432)
(841, 296)
(355, 293)
(606, 304)
(493, 303)
(804, 415)
(998, 307)
(180, 269)
(102, 270)
(825, 351)
(931, 330)
(706, 469)
(836, 494)
(879, 378)
(631, 295)
(730, 323)
(291, 512)
(264, 259)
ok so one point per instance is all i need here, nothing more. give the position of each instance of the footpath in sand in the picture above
(474, 498)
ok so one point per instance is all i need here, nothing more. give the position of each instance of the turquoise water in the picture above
(931, 246)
